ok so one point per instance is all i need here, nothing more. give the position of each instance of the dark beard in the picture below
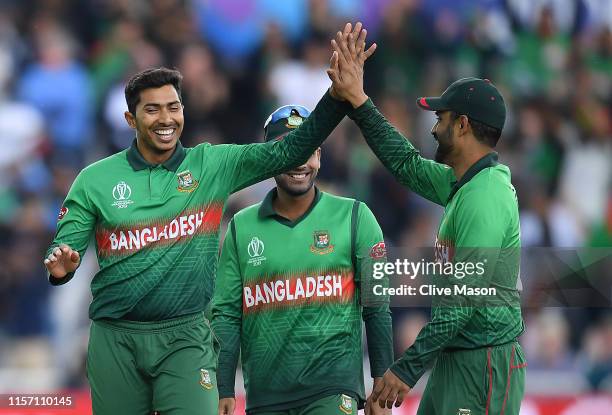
(445, 146)
(294, 191)
(442, 153)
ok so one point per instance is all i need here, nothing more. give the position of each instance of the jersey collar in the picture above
(139, 163)
(489, 160)
(266, 209)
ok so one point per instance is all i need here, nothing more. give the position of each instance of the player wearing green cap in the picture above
(155, 211)
(288, 296)
(478, 365)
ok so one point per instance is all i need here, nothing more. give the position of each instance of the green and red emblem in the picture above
(62, 213)
(186, 182)
(321, 244)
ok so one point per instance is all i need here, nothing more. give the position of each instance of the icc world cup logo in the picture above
(256, 247)
(122, 193)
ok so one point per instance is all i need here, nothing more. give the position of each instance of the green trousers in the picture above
(485, 381)
(137, 368)
(330, 405)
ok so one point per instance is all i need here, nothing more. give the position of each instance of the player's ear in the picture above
(315, 159)
(463, 123)
(131, 120)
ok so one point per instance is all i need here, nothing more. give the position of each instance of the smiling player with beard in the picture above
(478, 364)
(288, 295)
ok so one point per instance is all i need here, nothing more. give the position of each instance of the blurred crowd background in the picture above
(63, 65)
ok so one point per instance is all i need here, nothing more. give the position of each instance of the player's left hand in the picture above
(227, 406)
(391, 389)
(346, 64)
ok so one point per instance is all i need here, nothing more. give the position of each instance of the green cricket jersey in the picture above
(288, 298)
(480, 225)
(157, 227)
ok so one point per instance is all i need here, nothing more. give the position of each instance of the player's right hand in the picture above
(372, 408)
(227, 406)
(389, 390)
(62, 261)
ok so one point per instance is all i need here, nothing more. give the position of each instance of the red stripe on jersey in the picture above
(159, 232)
(490, 369)
(289, 291)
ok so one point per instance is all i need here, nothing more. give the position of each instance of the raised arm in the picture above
(427, 178)
(252, 163)
(255, 162)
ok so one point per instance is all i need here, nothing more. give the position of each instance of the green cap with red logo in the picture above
(477, 98)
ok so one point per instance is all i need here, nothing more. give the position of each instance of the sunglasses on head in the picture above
(285, 112)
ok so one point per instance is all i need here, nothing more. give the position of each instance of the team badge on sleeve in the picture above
(346, 405)
(205, 379)
(321, 243)
(378, 251)
(186, 182)
(63, 211)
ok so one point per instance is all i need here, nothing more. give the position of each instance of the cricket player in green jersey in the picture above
(287, 297)
(478, 365)
(155, 210)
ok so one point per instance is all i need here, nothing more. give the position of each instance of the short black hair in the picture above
(151, 78)
(484, 133)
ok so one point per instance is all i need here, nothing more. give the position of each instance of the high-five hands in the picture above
(346, 64)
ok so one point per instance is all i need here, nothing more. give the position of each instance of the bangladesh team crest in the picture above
(346, 404)
(205, 379)
(186, 182)
(321, 244)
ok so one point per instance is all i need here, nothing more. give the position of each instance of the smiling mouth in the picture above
(298, 176)
(164, 134)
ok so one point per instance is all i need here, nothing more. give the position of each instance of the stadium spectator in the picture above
(59, 86)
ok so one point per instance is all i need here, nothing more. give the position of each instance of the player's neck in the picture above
(151, 156)
(290, 206)
(467, 159)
